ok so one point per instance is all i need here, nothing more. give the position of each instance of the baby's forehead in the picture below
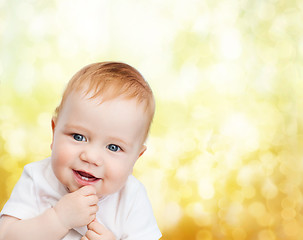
(123, 105)
(107, 97)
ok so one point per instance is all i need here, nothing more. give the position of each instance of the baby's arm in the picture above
(72, 210)
(45, 226)
(97, 231)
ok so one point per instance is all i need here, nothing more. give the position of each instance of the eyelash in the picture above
(75, 135)
(109, 145)
(83, 139)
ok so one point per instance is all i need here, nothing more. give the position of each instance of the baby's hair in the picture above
(109, 80)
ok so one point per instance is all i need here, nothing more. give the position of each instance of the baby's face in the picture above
(97, 144)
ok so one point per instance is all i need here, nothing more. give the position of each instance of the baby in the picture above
(86, 190)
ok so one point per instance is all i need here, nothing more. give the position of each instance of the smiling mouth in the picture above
(87, 177)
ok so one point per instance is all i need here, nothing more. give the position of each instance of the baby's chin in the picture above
(71, 189)
(68, 189)
(100, 194)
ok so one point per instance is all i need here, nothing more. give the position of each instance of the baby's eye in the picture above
(79, 137)
(113, 147)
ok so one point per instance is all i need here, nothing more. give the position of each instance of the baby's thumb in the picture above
(87, 190)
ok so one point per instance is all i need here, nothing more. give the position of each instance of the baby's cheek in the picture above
(60, 162)
(119, 175)
(63, 155)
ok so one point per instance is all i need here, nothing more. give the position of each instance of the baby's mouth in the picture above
(86, 176)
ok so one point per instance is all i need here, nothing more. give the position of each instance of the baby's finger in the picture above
(92, 200)
(87, 190)
(84, 238)
(93, 210)
(97, 227)
(91, 235)
(91, 217)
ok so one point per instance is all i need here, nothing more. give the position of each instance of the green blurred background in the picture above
(225, 154)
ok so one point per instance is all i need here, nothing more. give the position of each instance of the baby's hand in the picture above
(77, 208)
(97, 231)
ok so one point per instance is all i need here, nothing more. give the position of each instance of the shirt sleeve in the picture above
(140, 222)
(22, 203)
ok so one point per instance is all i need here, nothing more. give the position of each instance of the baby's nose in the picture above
(91, 155)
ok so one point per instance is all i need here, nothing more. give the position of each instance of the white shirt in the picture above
(127, 213)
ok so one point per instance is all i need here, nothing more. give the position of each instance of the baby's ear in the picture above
(143, 149)
(53, 122)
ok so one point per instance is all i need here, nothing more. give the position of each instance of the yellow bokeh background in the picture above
(225, 153)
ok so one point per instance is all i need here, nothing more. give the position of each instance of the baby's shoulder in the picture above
(133, 184)
(38, 167)
(133, 189)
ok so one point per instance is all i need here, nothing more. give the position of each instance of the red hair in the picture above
(108, 80)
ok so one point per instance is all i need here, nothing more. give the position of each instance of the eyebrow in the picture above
(116, 139)
(111, 138)
(78, 127)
